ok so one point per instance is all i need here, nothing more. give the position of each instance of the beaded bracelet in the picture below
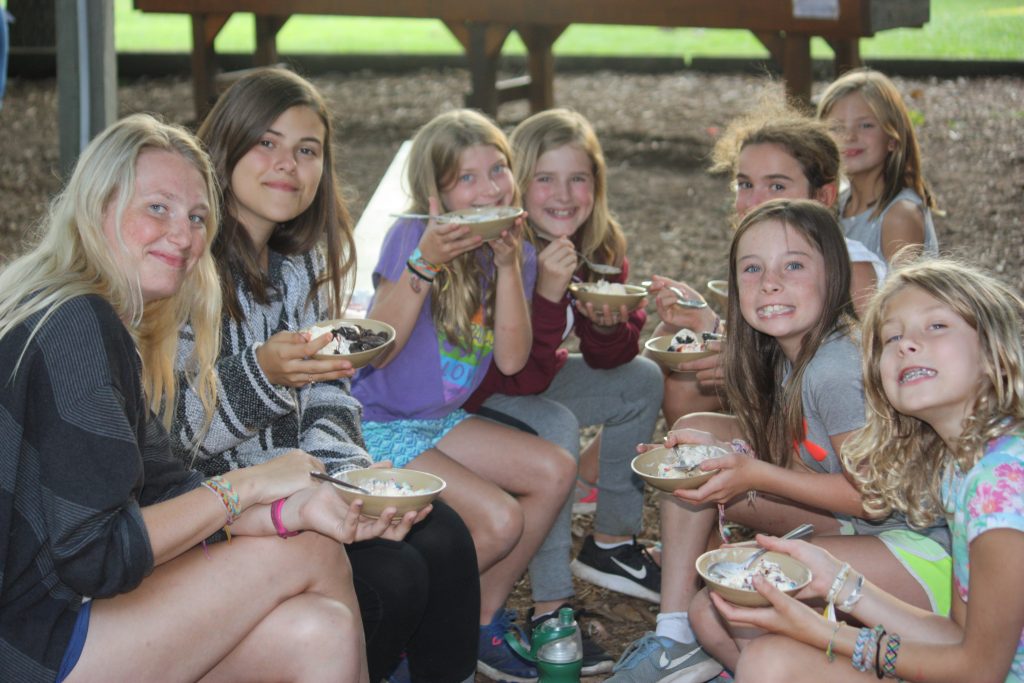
(221, 487)
(275, 518)
(829, 654)
(854, 597)
(892, 649)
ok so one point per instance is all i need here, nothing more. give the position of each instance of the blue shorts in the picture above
(402, 440)
(77, 642)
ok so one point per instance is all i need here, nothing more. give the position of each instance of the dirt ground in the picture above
(657, 131)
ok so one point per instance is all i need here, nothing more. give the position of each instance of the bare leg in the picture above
(683, 395)
(776, 659)
(209, 607)
(537, 473)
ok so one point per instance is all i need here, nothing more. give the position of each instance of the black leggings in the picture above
(420, 596)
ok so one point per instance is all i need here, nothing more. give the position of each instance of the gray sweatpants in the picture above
(625, 401)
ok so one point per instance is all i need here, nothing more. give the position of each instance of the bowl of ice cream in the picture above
(403, 489)
(719, 291)
(670, 469)
(357, 340)
(486, 221)
(602, 292)
(672, 349)
(788, 574)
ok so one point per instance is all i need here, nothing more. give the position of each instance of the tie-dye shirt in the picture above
(990, 496)
(429, 378)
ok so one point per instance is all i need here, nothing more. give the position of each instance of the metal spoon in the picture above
(723, 569)
(681, 298)
(599, 268)
(339, 482)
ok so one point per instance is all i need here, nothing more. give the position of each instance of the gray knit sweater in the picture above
(255, 419)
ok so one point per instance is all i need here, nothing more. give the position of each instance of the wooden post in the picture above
(266, 39)
(796, 65)
(86, 74)
(205, 28)
(539, 41)
(482, 42)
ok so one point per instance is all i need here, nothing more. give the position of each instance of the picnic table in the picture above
(785, 27)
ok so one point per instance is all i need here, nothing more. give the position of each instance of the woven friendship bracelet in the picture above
(421, 264)
(892, 649)
(879, 634)
(857, 658)
(221, 487)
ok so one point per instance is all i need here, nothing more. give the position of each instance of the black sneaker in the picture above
(627, 569)
(595, 659)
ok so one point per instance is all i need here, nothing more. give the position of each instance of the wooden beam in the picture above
(541, 63)
(847, 54)
(205, 28)
(796, 66)
(266, 39)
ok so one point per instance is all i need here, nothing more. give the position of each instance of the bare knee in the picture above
(309, 561)
(765, 659)
(496, 529)
(322, 638)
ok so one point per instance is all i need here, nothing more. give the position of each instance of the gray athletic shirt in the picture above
(833, 402)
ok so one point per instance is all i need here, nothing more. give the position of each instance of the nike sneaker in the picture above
(495, 658)
(627, 569)
(656, 658)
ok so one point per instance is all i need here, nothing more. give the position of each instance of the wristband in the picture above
(221, 487)
(892, 648)
(829, 654)
(838, 583)
(421, 264)
(275, 517)
(425, 276)
(854, 597)
(878, 651)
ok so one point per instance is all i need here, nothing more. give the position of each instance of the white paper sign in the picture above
(816, 9)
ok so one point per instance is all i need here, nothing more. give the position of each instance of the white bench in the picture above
(391, 196)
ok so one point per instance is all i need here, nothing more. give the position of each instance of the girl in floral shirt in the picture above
(944, 378)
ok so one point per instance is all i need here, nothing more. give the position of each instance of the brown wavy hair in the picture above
(898, 460)
(806, 139)
(771, 413)
(600, 238)
(235, 124)
(433, 163)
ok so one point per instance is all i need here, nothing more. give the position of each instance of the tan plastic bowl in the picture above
(719, 290)
(583, 291)
(791, 567)
(374, 505)
(488, 221)
(647, 467)
(359, 358)
(657, 348)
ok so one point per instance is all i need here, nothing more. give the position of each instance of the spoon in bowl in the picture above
(339, 482)
(724, 569)
(681, 298)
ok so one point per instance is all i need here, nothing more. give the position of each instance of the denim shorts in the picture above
(77, 642)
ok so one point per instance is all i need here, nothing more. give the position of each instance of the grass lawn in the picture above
(959, 29)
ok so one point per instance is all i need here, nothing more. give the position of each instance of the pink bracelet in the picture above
(275, 517)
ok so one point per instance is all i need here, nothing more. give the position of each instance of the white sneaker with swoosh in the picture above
(655, 658)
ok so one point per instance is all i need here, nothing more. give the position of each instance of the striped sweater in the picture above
(80, 455)
(256, 420)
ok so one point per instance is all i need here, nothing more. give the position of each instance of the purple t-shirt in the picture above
(429, 378)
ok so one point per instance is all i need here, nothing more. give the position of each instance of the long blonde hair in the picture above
(73, 258)
(903, 164)
(600, 238)
(771, 413)
(898, 460)
(433, 163)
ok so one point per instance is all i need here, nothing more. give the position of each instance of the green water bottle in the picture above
(556, 647)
